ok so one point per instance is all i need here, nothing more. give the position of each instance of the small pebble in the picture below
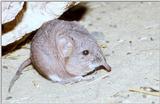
(116, 94)
(98, 18)
(90, 24)
(130, 42)
(5, 67)
(145, 78)
(120, 102)
(103, 45)
(114, 26)
(151, 39)
(9, 97)
(128, 53)
(35, 84)
(112, 51)
(153, 102)
(107, 41)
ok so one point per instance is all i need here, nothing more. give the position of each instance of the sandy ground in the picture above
(132, 37)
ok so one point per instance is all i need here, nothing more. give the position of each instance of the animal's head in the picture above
(81, 54)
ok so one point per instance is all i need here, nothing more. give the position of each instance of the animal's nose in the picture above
(105, 67)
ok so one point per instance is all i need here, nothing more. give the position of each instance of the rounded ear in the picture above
(65, 46)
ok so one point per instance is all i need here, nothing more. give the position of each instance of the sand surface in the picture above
(132, 48)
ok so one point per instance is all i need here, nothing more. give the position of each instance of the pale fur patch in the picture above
(55, 78)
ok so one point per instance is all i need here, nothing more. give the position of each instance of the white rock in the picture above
(10, 10)
(36, 14)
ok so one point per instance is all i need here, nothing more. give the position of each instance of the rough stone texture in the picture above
(133, 50)
(35, 15)
(10, 10)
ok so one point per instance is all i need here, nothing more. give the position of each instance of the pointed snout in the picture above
(105, 67)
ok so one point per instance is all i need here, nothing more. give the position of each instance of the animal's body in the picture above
(64, 52)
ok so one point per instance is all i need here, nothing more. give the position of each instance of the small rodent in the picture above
(63, 52)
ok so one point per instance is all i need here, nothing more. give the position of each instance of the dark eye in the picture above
(85, 52)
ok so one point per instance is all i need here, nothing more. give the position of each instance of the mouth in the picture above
(105, 67)
(89, 73)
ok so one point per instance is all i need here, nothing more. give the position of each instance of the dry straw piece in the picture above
(146, 90)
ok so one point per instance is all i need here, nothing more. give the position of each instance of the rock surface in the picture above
(35, 14)
(10, 10)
